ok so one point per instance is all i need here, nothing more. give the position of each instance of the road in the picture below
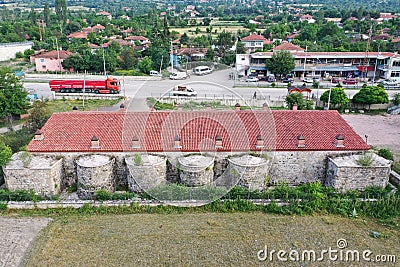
(216, 84)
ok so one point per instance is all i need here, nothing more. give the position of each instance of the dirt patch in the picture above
(381, 130)
(17, 236)
(206, 239)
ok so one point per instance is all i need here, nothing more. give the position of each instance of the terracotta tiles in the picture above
(156, 131)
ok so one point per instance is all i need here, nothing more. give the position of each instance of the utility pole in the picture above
(104, 61)
(83, 90)
(58, 55)
(40, 30)
(172, 59)
(162, 57)
(329, 97)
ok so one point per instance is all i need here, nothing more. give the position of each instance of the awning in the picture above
(327, 68)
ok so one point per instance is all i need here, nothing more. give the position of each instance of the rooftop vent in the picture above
(301, 141)
(135, 142)
(339, 141)
(260, 142)
(95, 142)
(38, 135)
(75, 108)
(177, 142)
(237, 106)
(218, 141)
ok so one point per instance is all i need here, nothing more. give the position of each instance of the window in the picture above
(44, 67)
(396, 63)
(41, 60)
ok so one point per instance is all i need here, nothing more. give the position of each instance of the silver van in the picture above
(202, 70)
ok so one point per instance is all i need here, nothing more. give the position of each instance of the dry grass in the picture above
(201, 239)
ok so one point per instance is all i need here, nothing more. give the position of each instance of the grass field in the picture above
(202, 239)
(67, 105)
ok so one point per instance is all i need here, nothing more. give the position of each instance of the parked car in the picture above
(251, 79)
(287, 80)
(183, 90)
(308, 80)
(316, 80)
(350, 81)
(155, 73)
(335, 80)
(389, 82)
(271, 79)
(178, 76)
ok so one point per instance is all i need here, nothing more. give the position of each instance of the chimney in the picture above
(135, 142)
(265, 106)
(75, 109)
(301, 141)
(152, 108)
(237, 106)
(177, 142)
(179, 106)
(95, 142)
(122, 107)
(208, 106)
(38, 135)
(260, 142)
(339, 141)
(294, 107)
(218, 141)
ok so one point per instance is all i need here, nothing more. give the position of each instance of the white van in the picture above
(155, 73)
(178, 76)
(202, 70)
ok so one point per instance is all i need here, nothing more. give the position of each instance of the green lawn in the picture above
(67, 105)
(202, 239)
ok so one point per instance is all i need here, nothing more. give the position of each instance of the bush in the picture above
(385, 153)
(102, 195)
(365, 160)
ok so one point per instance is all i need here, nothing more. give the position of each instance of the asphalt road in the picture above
(216, 84)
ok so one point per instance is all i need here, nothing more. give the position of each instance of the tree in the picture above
(37, 117)
(5, 156)
(297, 99)
(338, 97)
(128, 58)
(12, 96)
(281, 63)
(371, 95)
(46, 14)
(61, 10)
(145, 65)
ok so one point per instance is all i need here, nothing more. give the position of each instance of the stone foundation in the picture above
(95, 172)
(344, 173)
(145, 172)
(107, 170)
(251, 172)
(41, 173)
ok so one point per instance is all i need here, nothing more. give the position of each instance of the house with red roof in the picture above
(255, 42)
(77, 35)
(51, 60)
(98, 150)
(308, 18)
(141, 39)
(104, 13)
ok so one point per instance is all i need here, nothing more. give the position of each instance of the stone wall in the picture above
(95, 172)
(344, 173)
(250, 172)
(145, 172)
(43, 173)
(196, 170)
(292, 168)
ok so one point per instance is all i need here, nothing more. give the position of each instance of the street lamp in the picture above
(104, 62)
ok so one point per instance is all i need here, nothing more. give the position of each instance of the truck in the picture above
(108, 86)
(178, 76)
(182, 90)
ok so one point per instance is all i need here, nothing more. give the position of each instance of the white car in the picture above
(178, 76)
(252, 79)
(308, 80)
(389, 82)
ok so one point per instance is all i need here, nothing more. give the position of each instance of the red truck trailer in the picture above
(108, 86)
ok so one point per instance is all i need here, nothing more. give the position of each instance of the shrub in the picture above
(385, 153)
(138, 159)
(365, 160)
(102, 195)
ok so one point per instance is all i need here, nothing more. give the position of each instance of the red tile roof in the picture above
(80, 35)
(72, 131)
(54, 54)
(288, 47)
(254, 37)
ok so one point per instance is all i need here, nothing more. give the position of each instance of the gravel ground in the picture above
(17, 236)
(382, 130)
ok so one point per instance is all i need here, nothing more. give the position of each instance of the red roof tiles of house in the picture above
(287, 47)
(396, 40)
(54, 54)
(72, 131)
(78, 35)
(254, 37)
(136, 38)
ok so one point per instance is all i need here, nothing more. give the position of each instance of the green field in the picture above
(202, 239)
